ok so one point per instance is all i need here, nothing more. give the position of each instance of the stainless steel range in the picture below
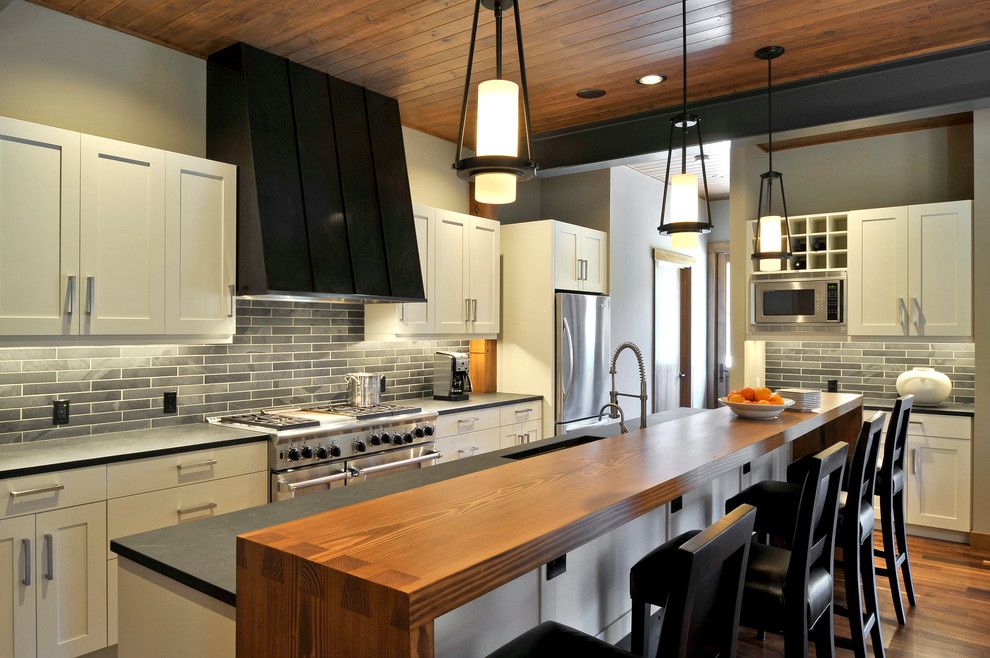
(322, 447)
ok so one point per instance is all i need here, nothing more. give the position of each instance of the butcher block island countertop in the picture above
(370, 578)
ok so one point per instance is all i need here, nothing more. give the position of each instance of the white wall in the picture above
(635, 213)
(580, 198)
(66, 72)
(431, 180)
(719, 219)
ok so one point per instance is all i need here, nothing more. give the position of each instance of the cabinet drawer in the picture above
(521, 413)
(520, 433)
(48, 491)
(952, 427)
(168, 507)
(469, 421)
(476, 443)
(134, 477)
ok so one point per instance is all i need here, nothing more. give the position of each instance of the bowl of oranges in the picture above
(760, 403)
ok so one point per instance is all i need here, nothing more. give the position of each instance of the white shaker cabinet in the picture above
(939, 474)
(579, 258)
(910, 270)
(122, 238)
(18, 588)
(200, 245)
(39, 229)
(484, 278)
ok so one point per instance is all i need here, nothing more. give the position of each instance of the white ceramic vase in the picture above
(927, 385)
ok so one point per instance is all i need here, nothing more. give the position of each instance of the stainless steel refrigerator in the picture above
(583, 343)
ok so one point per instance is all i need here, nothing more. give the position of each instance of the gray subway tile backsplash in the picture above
(283, 353)
(870, 368)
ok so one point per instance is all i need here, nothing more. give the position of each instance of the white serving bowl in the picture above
(757, 411)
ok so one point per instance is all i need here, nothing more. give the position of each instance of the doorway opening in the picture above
(719, 357)
(671, 330)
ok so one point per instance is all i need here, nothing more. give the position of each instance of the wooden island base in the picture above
(370, 579)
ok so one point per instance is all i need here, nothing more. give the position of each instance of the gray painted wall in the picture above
(581, 199)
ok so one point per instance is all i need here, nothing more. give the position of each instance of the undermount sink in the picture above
(554, 447)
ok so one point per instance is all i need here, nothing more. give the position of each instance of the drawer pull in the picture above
(470, 451)
(196, 508)
(205, 462)
(524, 411)
(916, 422)
(52, 488)
(468, 420)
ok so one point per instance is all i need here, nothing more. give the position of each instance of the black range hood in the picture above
(323, 203)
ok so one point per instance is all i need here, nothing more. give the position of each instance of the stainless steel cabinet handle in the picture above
(916, 422)
(528, 410)
(916, 318)
(196, 508)
(52, 488)
(231, 314)
(585, 261)
(402, 312)
(205, 462)
(474, 310)
(90, 293)
(914, 461)
(370, 470)
(467, 310)
(526, 440)
(467, 420)
(471, 450)
(71, 292)
(902, 310)
(26, 554)
(49, 550)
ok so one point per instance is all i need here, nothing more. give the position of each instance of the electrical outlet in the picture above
(833, 386)
(676, 505)
(556, 567)
(60, 412)
(170, 404)
(747, 467)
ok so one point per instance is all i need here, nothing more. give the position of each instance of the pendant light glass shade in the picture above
(773, 234)
(684, 209)
(770, 241)
(497, 166)
(498, 134)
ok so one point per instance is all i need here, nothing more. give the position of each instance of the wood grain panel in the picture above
(382, 570)
(416, 51)
(960, 119)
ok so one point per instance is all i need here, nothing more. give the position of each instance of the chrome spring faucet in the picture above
(614, 394)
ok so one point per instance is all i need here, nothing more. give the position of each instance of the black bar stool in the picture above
(789, 590)
(890, 489)
(702, 606)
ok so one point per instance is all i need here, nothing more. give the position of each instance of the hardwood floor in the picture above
(951, 620)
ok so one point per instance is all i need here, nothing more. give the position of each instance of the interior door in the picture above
(940, 239)
(719, 357)
(878, 272)
(667, 366)
(18, 584)
(200, 234)
(415, 318)
(122, 238)
(567, 273)
(39, 229)
(594, 250)
(451, 285)
(71, 550)
(484, 254)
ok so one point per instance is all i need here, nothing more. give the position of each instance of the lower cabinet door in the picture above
(18, 585)
(72, 580)
(111, 602)
(475, 443)
(938, 482)
(520, 433)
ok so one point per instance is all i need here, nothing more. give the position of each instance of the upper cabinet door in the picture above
(568, 270)
(200, 254)
(483, 256)
(39, 230)
(878, 272)
(940, 243)
(418, 318)
(451, 298)
(18, 587)
(122, 238)
(594, 252)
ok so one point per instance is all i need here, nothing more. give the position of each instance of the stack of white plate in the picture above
(805, 399)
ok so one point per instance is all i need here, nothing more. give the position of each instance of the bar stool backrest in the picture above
(702, 615)
(895, 447)
(862, 475)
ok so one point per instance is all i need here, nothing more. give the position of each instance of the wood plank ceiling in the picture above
(416, 50)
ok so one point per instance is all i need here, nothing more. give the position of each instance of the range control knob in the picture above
(322, 452)
(293, 454)
(335, 451)
(307, 452)
(420, 432)
(360, 446)
(375, 440)
(386, 438)
(407, 437)
(429, 430)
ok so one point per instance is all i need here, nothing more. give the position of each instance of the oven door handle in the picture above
(292, 487)
(371, 470)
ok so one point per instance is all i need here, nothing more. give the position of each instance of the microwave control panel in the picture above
(833, 297)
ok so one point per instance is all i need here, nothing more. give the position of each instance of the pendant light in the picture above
(773, 232)
(497, 166)
(683, 224)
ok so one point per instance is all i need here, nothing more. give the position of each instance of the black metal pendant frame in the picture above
(684, 122)
(767, 178)
(523, 167)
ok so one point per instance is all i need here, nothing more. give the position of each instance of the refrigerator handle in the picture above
(570, 359)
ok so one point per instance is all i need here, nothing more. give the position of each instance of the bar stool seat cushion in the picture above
(763, 596)
(776, 505)
(647, 577)
(552, 640)
(866, 517)
(897, 476)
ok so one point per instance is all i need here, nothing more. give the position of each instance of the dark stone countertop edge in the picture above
(176, 574)
(468, 405)
(945, 410)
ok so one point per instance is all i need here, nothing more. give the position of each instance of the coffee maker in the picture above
(451, 380)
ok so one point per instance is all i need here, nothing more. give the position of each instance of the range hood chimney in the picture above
(323, 203)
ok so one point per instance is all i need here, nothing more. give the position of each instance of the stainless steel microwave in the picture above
(820, 300)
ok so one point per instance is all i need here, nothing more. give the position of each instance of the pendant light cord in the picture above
(498, 39)
(684, 82)
(770, 109)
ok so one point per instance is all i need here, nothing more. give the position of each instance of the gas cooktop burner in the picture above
(272, 421)
(363, 413)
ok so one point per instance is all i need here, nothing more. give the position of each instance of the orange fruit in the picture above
(763, 402)
(731, 393)
(735, 397)
(763, 394)
(776, 399)
(748, 393)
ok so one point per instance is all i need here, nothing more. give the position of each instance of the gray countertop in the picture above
(944, 409)
(201, 554)
(477, 401)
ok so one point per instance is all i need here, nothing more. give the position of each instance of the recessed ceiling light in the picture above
(652, 79)
(591, 93)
